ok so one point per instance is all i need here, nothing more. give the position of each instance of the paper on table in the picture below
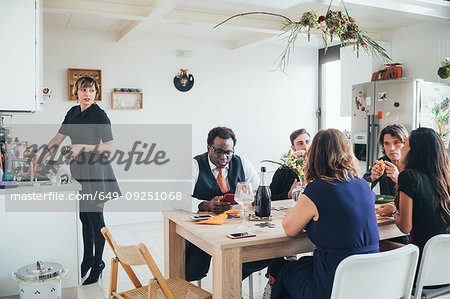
(217, 220)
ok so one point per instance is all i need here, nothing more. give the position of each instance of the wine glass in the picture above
(296, 192)
(244, 197)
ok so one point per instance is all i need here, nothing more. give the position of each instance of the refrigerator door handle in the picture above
(369, 143)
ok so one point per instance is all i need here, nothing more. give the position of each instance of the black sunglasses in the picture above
(220, 152)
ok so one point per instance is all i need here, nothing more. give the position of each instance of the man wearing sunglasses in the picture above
(214, 174)
(217, 172)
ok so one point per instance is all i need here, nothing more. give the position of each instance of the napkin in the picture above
(227, 212)
(233, 212)
(218, 220)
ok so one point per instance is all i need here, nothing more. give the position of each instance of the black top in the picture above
(93, 171)
(387, 186)
(206, 187)
(427, 221)
(92, 126)
(282, 181)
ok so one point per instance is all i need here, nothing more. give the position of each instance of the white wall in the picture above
(234, 88)
(421, 48)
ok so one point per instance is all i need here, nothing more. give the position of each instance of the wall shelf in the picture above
(75, 74)
(126, 100)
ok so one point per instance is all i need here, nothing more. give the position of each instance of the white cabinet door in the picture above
(18, 52)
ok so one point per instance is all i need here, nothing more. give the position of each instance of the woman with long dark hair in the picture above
(422, 203)
(338, 211)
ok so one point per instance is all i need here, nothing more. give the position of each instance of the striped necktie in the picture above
(222, 182)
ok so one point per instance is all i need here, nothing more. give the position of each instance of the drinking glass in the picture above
(296, 192)
(244, 197)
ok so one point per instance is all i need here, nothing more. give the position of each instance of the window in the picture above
(330, 91)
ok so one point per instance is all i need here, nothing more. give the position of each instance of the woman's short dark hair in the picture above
(85, 82)
(427, 155)
(221, 132)
(297, 133)
(398, 131)
(330, 157)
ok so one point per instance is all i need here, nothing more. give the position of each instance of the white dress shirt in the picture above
(250, 176)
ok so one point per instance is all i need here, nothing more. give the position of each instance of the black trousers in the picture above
(93, 240)
(198, 262)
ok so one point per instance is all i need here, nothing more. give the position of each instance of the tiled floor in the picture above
(152, 235)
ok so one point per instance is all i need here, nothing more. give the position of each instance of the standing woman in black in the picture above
(89, 129)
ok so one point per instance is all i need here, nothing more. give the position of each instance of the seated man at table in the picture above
(391, 140)
(285, 180)
(214, 174)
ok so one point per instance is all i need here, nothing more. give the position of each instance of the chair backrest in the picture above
(134, 255)
(127, 254)
(434, 267)
(384, 275)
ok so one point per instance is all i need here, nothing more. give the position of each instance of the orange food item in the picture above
(382, 166)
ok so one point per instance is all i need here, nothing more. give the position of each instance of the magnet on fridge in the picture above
(368, 101)
(380, 114)
(388, 114)
(382, 96)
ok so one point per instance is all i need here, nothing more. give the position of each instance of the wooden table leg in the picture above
(227, 274)
(174, 251)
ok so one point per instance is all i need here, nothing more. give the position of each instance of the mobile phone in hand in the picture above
(229, 198)
(241, 235)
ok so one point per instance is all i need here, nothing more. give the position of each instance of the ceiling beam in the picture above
(429, 8)
(104, 9)
(268, 24)
(161, 9)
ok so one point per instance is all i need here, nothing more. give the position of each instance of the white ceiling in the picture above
(131, 19)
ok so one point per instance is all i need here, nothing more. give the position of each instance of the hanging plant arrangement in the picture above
(444, 70)
(333, 23)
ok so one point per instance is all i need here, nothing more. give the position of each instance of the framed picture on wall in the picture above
(75, 74)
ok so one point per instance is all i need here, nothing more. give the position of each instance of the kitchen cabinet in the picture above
(20, 55)
(33, 230)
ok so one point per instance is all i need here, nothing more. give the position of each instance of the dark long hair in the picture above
(427, 154)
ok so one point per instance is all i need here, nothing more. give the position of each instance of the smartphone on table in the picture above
(229, 198)
(241, 235)
(201, 217)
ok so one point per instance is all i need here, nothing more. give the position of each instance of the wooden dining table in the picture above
(229, 254)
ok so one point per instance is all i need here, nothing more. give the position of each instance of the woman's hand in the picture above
(75, 150)
(386, 210)
(391, 171)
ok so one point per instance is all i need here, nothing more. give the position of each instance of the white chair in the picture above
(434, 268)
(383, 275)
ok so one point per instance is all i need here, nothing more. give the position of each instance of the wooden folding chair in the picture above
(133, 255)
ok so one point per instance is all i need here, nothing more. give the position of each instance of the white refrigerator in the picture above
(378, 104)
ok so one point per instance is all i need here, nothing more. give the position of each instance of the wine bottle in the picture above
(263, 202)
(27, 151)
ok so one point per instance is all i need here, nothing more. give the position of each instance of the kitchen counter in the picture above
(34, 229)
(26, 187)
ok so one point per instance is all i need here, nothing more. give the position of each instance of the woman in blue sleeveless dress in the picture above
(337, 210)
